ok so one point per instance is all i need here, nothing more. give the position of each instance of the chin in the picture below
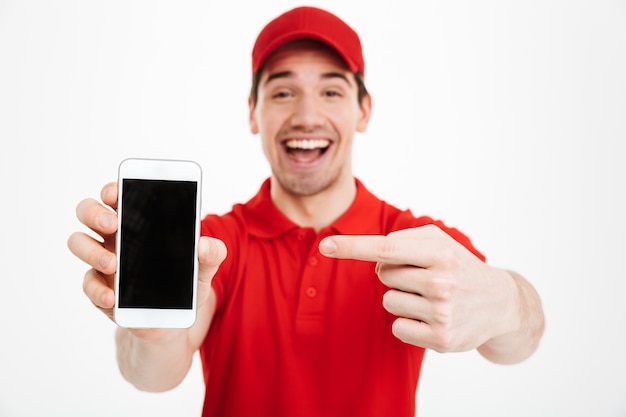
(305, 186)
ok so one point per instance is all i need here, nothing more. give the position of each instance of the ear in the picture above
(365, 113)
(254, 127)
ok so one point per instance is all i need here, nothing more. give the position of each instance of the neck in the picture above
(318, 210)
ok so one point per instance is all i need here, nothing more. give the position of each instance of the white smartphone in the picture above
(158, 212)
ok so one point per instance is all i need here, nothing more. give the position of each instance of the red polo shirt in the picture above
(299, 334)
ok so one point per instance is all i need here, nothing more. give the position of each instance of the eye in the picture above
(281, 94)
(332, 93)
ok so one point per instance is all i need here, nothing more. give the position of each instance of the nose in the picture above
(306, 113)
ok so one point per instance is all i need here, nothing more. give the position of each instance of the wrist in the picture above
(522, 329)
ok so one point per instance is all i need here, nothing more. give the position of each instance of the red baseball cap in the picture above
(309, 23)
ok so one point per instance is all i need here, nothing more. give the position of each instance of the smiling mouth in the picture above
(306, 150)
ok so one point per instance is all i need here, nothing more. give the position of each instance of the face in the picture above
(306, 114)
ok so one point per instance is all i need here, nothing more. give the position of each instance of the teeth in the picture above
(307, 143)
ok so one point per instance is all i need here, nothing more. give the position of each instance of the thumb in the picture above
(211, 253)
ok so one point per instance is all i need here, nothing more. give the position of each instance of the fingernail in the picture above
(328, 246)
(104, 299)
(104, 261)
(106, 220)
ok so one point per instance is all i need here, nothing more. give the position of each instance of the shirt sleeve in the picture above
(223, 228)
(407, 220)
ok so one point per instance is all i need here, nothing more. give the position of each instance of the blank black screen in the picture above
(157, 244)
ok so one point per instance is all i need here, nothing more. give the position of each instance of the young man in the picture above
(328, 296)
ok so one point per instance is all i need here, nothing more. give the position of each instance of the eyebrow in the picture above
(330, 75)
(327, 75)
(282, 74)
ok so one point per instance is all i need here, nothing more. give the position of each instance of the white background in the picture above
(503, 118)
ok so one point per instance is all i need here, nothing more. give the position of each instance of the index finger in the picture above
(109, 195)
(375, 248)
(97, 217)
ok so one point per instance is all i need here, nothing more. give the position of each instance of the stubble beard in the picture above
(306, 185)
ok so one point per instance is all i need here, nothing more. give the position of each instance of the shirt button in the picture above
(313, 261)
(311, 292)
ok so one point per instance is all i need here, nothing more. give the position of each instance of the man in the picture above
(328, 296)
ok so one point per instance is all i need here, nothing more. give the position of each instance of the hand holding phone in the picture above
(157, 237)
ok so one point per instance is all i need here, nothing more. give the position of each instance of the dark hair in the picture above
(256, 78)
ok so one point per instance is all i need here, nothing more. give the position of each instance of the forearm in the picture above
(518, 345)
(155, 364)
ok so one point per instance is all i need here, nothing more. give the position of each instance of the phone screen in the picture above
(157, 244)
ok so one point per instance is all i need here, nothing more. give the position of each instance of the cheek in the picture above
(267, 127)
(267, 117)
(346, 120)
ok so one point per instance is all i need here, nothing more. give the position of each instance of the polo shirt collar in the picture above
(266, 221)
